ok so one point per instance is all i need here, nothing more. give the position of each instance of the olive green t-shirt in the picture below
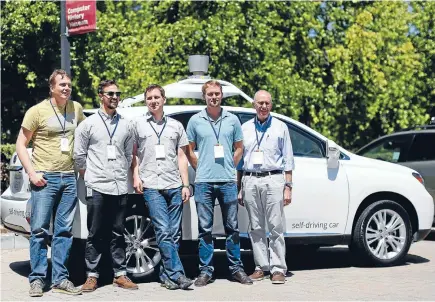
(48, 131)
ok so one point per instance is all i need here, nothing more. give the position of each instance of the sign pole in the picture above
(64, 43)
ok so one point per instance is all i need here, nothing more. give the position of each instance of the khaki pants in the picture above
(263, 198)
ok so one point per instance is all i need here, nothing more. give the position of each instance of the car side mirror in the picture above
(332, 154)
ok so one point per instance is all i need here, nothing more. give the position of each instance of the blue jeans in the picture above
(205, 196)
(165, 208)
(59, 195)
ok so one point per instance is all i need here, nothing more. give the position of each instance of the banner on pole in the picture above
(81, 16)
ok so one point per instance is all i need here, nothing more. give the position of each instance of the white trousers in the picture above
(263, 198)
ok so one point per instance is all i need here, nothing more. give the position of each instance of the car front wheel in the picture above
(142, 252)
(382, 234)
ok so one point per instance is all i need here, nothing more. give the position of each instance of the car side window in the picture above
(422, 148)
(304, 144)
(183, 118)
(244, 117)
(392, 149)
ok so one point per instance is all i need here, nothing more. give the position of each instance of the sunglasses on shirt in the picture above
(112, 93)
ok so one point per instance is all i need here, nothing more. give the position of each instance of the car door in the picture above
(320, 195)
(421, 157)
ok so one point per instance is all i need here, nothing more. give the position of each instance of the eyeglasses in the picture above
(112, 93)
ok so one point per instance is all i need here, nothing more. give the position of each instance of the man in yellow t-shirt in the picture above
(50, 125)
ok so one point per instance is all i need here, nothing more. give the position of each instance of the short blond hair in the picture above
(211, 83)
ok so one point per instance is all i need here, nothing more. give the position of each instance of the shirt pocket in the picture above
(273, 144)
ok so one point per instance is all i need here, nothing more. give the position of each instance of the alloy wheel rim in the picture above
(385, 234)
(142, 252)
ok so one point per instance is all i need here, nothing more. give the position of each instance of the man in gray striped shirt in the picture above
(103, 154)
(160, 173)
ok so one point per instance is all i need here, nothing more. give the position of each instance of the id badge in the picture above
(111, 152)
(64, 144)
(88, 192)
(257, 157)
(218, 151)
(160, 151)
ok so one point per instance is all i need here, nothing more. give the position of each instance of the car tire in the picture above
(142, 253)
(382, 235)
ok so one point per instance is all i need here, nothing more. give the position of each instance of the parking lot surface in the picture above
(328, 274)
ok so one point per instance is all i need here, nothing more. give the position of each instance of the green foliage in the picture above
(351, 70)
(7, 150)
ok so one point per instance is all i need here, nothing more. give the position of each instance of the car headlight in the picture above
(418, 177)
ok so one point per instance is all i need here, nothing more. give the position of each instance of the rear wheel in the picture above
(382, 234)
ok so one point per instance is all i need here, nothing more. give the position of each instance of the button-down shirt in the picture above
(276, 146)
(162, 173)
(104, 175)
(200, 131)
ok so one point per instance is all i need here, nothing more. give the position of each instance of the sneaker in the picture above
(243, 278)
(258, 275)
(184, 282)
(124, 282)
(203, 279)
(278, 278)
(168, 284)
(36, 288)
(67, 287)
(90, 285)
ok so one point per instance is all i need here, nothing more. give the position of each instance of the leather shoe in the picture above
(202, 280)
(184, 282)
(243, 278)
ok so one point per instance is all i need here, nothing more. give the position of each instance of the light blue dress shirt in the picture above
(276, 146)
(200, 131)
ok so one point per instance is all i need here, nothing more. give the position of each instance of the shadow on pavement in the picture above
(324, 258)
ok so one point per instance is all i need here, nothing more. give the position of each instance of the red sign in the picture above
(81, 16)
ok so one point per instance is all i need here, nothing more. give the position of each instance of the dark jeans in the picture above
(59, 195)
(165, 208)
(106, 214)
(205, 196)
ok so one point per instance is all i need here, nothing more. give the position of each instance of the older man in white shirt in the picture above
(264, 180)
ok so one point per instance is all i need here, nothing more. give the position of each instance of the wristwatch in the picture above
(186, 186)
(289, 184)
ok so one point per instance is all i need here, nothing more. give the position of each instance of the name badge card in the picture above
(218, 151)
(88, 192)
(64, 144)
(257, 157)
(111, 152)
(160, 151)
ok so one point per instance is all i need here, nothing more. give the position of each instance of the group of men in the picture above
(106, 145)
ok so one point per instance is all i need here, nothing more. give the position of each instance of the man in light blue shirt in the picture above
(266, 187)
(216, 132)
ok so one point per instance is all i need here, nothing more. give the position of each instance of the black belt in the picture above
(262, 174)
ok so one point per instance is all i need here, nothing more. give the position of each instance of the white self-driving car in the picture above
(375, 207)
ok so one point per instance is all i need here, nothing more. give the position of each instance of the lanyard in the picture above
(256, 132)
(214, 130)
(163, 128)
(107, 128)
(64, 117)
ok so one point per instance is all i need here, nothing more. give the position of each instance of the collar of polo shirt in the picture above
(204, 114)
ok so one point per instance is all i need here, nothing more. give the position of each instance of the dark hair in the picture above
(211, 83)
(105, 83)
(152, 87)
(55, 73)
